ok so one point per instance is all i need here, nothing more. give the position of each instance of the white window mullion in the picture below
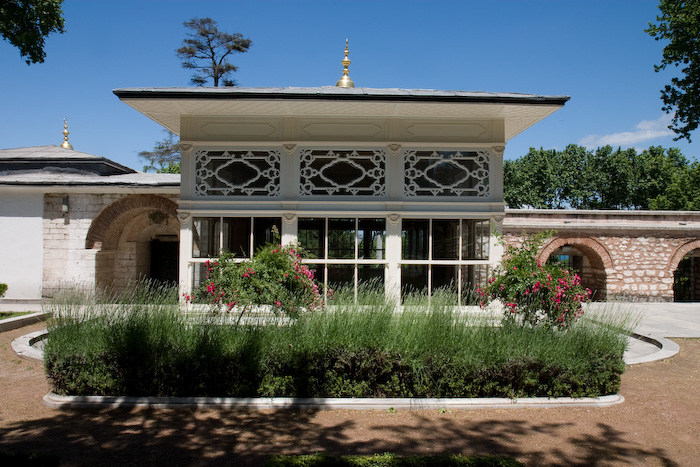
(220, 246)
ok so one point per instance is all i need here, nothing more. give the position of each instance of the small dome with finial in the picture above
(345, 81)
(66, 144)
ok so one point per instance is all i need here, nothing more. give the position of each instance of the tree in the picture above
(576, 178)
(205, 50)
(680, 24)
(165, 157)
(26, 23)
(682, 193)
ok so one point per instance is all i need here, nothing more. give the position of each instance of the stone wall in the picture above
(68, 257)
(636, 253)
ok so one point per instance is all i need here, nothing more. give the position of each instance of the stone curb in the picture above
(24, 345)
(667, 349)
(19, 321)
(56, 401)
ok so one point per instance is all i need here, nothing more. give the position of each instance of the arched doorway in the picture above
(686, 278)
(137, 237)
(581, 255)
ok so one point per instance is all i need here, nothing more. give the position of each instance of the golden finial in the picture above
(345, 81)
(66, 144)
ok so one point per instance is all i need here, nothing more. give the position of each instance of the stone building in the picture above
(68, 217)
(401, 187)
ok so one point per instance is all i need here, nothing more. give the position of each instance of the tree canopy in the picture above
(679, 23)
(26, 23)
(577, 178)
(206, 49)
(165, 156)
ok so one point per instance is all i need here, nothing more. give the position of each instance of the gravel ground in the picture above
(658, 424)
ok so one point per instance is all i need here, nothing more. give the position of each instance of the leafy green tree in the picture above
(550, 179)
(613, 178)
(654, 170)
(679, 23)
(26, 23)
(602, 179)
(165, 156)
(206, 49)
(682, 194)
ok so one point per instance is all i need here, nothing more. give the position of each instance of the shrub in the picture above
(347, 350)
(3, 289)
(534, 293)
(275, 276)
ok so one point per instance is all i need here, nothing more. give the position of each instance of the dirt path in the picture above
(658, 424)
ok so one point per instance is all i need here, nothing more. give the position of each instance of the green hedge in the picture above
(348, 352)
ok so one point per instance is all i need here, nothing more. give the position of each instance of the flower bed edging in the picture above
(260, 403)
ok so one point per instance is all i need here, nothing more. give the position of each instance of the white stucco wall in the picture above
(21, 242)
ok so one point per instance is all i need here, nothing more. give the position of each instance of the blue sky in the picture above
(595, 51)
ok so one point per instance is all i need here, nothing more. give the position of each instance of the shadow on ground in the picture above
(248, 438)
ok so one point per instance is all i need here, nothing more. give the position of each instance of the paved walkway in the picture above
(658, 322)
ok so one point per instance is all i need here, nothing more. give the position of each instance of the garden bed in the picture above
(426, 351)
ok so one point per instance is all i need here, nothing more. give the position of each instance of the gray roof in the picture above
(48, 152)
(336, 93)
(134, 180)
(53, 166)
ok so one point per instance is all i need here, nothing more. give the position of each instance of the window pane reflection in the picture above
(341, 238)
(414, 239)
(311, 236)
(446, 239)
(205, 237)
(371, 237)
(236, 233)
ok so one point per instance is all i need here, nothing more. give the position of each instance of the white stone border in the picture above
(667, 349)
(56, 401)
(9, 324)
(24, 345)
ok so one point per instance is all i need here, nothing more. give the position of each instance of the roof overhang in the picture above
(166, 105)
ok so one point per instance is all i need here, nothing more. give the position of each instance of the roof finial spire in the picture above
(66, 144)
(345, 81)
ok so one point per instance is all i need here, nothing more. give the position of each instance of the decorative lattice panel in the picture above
(237, 173)
(359, 172)
(446, 173)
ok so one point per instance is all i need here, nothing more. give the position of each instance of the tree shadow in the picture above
(247, 438)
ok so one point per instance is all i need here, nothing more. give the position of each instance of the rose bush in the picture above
(533, 293)
(275, 276)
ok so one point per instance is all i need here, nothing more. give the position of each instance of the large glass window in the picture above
(239, 235)
(436, 254)
(344, 252)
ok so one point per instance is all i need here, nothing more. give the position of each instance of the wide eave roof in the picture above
(166, 105)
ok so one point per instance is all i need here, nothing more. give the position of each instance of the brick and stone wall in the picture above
(633, 254)
(97, 240)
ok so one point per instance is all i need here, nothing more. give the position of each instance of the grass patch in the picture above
(13, 314)
(391, 460)
(428, 349)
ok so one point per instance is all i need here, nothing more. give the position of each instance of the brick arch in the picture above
(122, 210)
(596, 277)
(680, 253)
(589, 245)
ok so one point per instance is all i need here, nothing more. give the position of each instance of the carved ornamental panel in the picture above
(343, 172)
(446, 173)
(237, 173)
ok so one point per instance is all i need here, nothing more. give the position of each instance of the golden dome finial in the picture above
(345, 81)
(66, 144)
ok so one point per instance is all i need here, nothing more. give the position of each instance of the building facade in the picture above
(400, 187)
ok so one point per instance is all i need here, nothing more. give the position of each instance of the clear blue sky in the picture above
(595, 51)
